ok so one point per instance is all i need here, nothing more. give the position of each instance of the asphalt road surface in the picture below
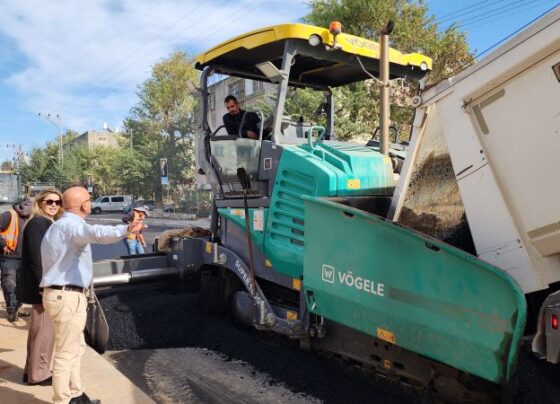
(175, 354)
(178, 355)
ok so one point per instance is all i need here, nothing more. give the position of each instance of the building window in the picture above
(258, 87)
(248, 87)
(237, 89)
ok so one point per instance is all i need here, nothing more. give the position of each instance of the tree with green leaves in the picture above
(415, 29)
(7, 165)
(356, 105)
(161, 125)
(44, 166)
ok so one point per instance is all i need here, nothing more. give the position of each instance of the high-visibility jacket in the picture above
(10, 234)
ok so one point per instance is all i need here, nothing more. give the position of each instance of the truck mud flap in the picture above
(411, 290)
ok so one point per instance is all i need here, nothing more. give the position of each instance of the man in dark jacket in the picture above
(234, 117)
(10, 254)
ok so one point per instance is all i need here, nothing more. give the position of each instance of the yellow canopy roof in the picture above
(318, 68)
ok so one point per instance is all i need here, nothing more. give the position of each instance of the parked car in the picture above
(110, 203)
(127, 207)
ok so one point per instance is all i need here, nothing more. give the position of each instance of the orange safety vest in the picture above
(11, 232)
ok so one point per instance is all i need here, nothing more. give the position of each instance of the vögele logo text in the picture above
(348, 279)
(327, 274)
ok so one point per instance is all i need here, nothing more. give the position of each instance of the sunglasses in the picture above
(51, 202)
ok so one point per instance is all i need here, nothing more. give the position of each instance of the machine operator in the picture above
(232, 120)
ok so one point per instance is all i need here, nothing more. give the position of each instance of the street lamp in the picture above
(56, 121)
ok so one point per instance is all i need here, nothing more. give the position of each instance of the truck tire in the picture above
(96, 211)
(211, 298)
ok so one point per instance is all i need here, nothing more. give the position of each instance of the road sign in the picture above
(163, 171)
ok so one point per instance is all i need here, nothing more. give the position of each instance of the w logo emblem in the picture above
(327, 274)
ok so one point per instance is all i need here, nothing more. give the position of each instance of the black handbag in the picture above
(97, 328)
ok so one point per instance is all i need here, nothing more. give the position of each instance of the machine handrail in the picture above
(214, 138)
(257, 111)
(321, 132)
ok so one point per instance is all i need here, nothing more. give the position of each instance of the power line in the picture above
(464, 65)
(484, 21)
(516, 31)
(459, 13)
(495, 12)
(463, 9)
(240, 11)
(159, 35)
(142, 57)
(203, 34)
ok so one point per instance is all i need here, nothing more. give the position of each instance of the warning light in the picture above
(335, 27)
(554, 321)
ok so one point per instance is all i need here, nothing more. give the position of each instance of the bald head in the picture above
(76, 200)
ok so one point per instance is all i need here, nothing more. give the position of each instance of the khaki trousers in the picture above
(67, 310)
(40, 343)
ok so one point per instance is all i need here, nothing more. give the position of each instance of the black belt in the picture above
(72, 288)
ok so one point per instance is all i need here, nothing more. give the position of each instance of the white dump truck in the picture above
(10, 189)
(484, 159)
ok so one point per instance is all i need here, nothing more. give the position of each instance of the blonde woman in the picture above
(40, 341)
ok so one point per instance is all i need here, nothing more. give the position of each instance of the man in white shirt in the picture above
(67, 274)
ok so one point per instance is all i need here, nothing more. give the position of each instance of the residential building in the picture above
(93, 138)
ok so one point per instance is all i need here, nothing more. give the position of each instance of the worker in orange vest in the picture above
(11, 232)
(134, 240)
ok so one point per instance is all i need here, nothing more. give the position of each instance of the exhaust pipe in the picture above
(384, 110)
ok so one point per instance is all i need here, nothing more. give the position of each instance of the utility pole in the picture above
(19, 158)
(5, 160)
(56, 121)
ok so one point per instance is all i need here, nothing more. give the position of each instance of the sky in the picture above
(84, 60)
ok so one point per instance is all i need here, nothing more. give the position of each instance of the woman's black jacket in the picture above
(31, 271)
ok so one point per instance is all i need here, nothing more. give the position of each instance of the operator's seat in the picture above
(294, 132)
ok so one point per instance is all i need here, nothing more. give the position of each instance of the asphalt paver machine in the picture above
(300, 241)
